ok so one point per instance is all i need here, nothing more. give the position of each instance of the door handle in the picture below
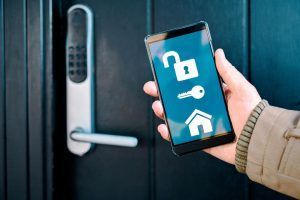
(80, 86)
(102, 138)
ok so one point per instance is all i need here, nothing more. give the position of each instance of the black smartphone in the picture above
(190, 88)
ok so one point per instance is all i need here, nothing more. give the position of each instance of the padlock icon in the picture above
(183, 69)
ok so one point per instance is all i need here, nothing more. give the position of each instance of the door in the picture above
(35, 161)
(150, 170)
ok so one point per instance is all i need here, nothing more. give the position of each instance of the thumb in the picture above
(230, 75)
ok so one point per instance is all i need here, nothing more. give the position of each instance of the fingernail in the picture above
(153, 106)
(222, 54)
(159, 129)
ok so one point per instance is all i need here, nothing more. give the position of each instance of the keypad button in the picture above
(71, 56)
(71, 64)
(71, 49)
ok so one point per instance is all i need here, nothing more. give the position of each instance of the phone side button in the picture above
(212, 48)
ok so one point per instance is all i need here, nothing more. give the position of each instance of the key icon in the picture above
(196, 92)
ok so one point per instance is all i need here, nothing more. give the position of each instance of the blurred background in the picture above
(259, 37)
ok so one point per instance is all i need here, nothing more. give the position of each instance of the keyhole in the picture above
(186, 69)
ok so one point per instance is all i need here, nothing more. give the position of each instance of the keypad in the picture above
(77, 63)
(76, 43)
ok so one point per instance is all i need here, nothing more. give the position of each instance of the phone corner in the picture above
(234, 137)
(204, 22)
(146, 38)
(175, 152)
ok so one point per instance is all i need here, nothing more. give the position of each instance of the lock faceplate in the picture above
(81, 135)
(80, 87)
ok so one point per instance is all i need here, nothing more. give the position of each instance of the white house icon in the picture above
(199, 118)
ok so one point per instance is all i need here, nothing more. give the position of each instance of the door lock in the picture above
(80, 86)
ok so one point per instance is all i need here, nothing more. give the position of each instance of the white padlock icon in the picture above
(183, 69)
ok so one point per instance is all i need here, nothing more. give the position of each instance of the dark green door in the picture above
(260, 38)
(256, 44)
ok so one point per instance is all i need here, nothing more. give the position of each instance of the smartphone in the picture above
(190, 88)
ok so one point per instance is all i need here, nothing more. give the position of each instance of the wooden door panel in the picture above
(275, 51)
(15, 98)
(111, 172)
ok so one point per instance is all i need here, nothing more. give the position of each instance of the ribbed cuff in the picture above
(244, 139)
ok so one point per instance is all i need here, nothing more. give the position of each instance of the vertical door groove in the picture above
(2, 108)
(151, 132)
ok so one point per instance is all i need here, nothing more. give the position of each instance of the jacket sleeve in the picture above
(274, 151)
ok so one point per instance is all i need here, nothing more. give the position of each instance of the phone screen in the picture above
(190, 88)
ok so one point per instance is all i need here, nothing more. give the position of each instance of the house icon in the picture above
(199, 118)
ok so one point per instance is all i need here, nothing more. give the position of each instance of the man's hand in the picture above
(241, 98)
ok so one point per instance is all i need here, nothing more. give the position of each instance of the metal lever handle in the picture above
(101, 138)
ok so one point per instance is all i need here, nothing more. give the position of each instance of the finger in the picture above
(163, 130)
(231, 76)
(158, 109)
(150, 89)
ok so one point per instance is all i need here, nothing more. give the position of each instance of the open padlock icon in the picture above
(183, 69)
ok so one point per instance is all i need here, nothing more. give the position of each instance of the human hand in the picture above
(241, 98)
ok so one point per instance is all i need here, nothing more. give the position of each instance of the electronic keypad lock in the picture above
(80, 86)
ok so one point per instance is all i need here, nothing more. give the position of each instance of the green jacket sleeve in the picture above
(273, 157)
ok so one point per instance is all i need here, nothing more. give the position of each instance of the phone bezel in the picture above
(221, 138)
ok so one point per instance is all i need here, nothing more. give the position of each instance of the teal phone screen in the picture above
(189, 87)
